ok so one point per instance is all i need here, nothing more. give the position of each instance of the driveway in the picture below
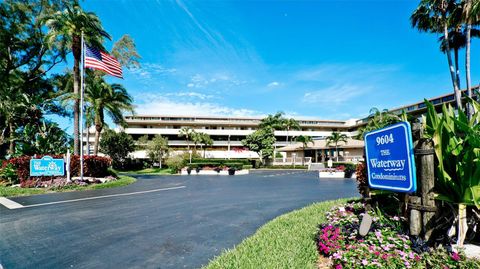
(157, 222)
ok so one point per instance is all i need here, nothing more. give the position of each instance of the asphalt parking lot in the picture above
(157, 222)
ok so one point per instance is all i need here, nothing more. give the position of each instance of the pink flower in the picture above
(337, 255)
(338, 266)
(364, 262)
(455, 256)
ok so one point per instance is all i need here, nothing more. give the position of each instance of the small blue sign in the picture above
(47, 166)
(390, 159)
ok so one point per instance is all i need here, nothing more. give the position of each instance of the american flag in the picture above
(100, 60)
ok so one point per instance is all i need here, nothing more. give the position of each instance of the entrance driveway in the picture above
(157, 222)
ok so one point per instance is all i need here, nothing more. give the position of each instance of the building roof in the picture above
(322, 144)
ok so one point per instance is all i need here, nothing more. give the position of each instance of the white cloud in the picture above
(158, 105)
(335, 95)
(273, 84)
(191, 95)
(150, 70)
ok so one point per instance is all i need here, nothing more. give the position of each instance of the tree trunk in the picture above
(457, 69)
(98, 130)
(88, 140)
(76, 48)
(462, 224)
(160, 161)
(11, 147)
(287, 136)
(336, 150)
(456, 90)
(467, 68)
(303, 159)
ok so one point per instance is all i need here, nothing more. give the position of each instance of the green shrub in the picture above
(236, 166)
(247, 166)
(8, 174)
(176, 163)
(221, 161)
(286, 167)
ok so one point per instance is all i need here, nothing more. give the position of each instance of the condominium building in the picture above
(228, 132)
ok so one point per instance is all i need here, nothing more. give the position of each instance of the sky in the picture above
(309, 59)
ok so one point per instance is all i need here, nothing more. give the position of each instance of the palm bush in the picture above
(457, 150)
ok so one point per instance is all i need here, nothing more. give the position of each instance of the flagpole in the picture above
(82, 89)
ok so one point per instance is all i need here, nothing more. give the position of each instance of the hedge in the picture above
(93, 166)
(236, 165)
(222, 161)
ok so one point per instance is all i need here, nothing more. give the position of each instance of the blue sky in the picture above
(321, 59)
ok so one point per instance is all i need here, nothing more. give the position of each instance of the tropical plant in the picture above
(206, 141)
(65, 30)
(187, 132)
(112, 99)
(276, 122)
(261, 141)
(158, 148)
(290, 124)
(26, 93)
(434, 16)
(379, 119)
(117, 146)
(304, 139)
(196, 138)
(336, 138)
(457, 149)
(43, 138)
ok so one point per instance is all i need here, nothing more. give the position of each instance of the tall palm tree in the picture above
(290, 124)
(196, 139)
(335, 138)
(206, 141)
(64, 31)
(304, 139)
(471, 15)
(186, 132)
(112, 99)
(434, 16)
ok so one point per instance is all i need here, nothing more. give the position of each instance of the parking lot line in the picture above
(9, 204)
(13, 205)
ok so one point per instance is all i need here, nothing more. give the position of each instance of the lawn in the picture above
(11, 192)
(285, 242)
(148, 171)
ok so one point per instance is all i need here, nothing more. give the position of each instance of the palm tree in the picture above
(273, 121)
(64, 31)
(336, 137)
(471, 15)
(290, 124)
(187, 133)
(110, 98)
(157, 148)
(434, 16)
(205, 142)
(304, 139)
(196, 139)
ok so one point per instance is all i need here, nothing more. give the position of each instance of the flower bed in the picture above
(387, 245)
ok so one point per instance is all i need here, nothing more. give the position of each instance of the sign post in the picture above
(390, 159)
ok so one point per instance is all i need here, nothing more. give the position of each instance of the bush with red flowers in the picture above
(93, 166)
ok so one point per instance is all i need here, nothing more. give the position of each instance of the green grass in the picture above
(285, 242)
(148, 171)
(12, 192)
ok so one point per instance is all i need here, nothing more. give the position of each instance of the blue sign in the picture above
(390, 159)
(47, 166)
